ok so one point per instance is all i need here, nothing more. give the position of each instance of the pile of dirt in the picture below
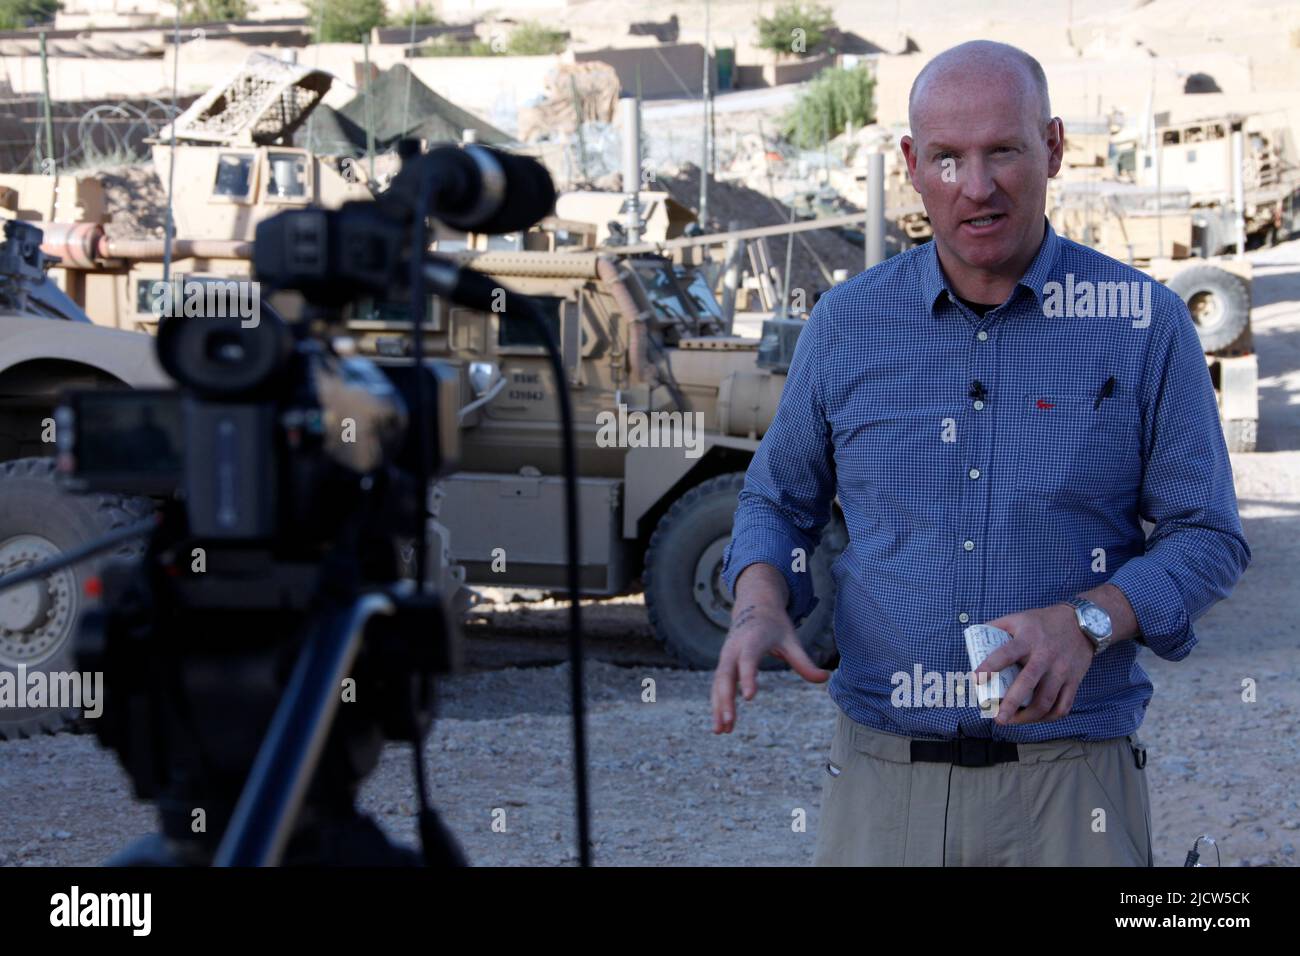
(817, 254)
(136, 201)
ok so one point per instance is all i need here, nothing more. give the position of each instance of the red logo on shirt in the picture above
(1043, 404)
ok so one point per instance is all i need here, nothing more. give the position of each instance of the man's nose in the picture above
(977, 183)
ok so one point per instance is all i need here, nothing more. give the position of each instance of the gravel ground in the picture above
(665, 790)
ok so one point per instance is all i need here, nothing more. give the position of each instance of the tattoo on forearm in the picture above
(743, 616)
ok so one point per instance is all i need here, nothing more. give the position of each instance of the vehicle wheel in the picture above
(1241, 434)
(38, 620)
(1218, 301)
(689, 605)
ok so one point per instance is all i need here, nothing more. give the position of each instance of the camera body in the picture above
(271, 636)
(287, 481)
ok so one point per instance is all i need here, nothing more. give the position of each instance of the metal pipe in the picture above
(83, 245)
(640, 368)
(1239, 189)
(807, 225)
(875, 232)
(632, 166)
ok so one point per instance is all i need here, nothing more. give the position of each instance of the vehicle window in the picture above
(288, 176)
(701, 296)
(234, 175)
(516, 330)
(662, 288)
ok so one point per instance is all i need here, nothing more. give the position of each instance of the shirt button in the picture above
(979, 405)
(963, 617)
(982, 335)
(968, 545)
(974, 473)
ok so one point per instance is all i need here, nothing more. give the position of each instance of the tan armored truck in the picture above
(1154, 230)
(668, 412)
(1197, 155)
(47, 344)
(235, 165)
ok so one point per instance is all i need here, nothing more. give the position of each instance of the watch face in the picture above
(1096, 620)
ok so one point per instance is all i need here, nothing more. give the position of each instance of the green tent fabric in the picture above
(400, 105)
(328, 133)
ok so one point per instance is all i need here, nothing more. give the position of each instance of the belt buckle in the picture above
(973, 752)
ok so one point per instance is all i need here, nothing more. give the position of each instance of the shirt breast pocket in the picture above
(1072, 447)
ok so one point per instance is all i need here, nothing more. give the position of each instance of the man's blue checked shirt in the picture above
(984, 467)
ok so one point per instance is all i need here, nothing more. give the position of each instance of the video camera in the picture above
(270, 638)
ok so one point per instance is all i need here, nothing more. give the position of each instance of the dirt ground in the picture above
(666, 791)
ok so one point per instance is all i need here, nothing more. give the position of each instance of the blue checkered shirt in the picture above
(961, 508)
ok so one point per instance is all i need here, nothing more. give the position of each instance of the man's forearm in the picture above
(761, 585)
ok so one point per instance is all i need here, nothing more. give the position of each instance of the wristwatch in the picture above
(1093, 621)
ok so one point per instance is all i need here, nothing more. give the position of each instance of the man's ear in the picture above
(1055, 146)
(908, 146)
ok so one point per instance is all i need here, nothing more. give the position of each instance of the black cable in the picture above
(138, 530)
(475, 290)
(575, 608)
(419, 239)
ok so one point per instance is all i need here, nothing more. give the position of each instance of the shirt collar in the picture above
(934, 283)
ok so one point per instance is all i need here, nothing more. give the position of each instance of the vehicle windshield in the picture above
(700, 295)
(678, 294)
(665, 294)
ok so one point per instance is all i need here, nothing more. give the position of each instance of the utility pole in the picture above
(45, 93)
(704, 152)
(370, 120)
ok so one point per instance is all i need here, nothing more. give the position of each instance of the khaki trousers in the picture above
(1064, 803)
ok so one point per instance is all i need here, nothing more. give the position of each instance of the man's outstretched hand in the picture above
(756, 631)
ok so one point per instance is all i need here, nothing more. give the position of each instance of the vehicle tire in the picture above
(1241, 434)
(1218, 301)
(38, 620)
(690, 607)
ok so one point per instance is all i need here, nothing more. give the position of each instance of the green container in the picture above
(724, 61)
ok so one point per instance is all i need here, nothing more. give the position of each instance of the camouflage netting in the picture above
(264, 101)
(590, 89)
(327, 132)
(402, 106)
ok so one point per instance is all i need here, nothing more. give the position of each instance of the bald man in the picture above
(994, 413)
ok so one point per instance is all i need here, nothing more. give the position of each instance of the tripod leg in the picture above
(286, 762)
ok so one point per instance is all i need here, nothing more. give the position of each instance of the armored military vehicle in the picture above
(233, 164)
(47, 344)
(668, 412)
(1156, 232)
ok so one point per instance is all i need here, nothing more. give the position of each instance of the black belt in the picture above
(965, 751)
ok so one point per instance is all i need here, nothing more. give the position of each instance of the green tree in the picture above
(421, 15)
(16, 14)
(345, 21)
(835, 97)
(531, 38)
(213, 11)
(793, 29)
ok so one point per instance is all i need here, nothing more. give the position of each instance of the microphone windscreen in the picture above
(529, 195)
